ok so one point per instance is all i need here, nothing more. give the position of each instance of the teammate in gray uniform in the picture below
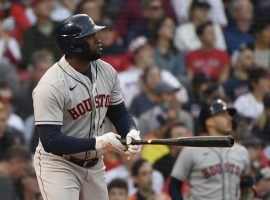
(212, 173)
(70, 103)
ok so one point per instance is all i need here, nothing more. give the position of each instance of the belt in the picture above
(83, 163)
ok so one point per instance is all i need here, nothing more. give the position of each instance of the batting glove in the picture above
(133, 134)
(110, 141)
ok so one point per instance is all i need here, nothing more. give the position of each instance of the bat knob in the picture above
(230, 140)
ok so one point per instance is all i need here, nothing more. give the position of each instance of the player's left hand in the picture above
(133, 134)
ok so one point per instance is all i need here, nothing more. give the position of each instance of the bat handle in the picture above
(124, 141)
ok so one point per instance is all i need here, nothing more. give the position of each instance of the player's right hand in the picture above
(110, 141)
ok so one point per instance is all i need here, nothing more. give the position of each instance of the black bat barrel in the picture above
(197, 141)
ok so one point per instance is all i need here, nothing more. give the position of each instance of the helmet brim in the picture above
(90, 31)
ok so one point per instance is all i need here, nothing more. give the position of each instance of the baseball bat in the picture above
(196, 141)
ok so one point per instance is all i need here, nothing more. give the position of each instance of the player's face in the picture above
(223, 123)
(118, 194)
(95, 47)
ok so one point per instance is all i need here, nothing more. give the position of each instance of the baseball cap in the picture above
(200, 4)
(164, 87)
(137, 43)
(210, 110)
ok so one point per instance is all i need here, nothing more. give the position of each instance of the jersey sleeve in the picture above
(116, 96)
(183, 165)
(48, 105)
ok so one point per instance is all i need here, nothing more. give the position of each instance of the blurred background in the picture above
(172, 57)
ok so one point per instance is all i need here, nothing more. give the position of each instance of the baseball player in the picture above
(70, 103)
(212, 173)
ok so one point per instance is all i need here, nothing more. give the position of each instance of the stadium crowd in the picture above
(172, 57)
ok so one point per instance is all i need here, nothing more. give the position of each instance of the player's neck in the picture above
(78, 64)
(213, 132)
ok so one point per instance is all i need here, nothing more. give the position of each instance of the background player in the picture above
(70, 103)
(213, 173)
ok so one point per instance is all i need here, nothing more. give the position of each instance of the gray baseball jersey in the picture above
(213, 173)
(68, 98)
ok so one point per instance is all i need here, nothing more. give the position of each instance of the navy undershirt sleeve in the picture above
(121, 119)
(175, 188)
(53, 141)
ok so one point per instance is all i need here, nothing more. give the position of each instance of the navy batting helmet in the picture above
(70, 32)
(213, 109)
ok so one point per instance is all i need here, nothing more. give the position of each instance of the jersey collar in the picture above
(71, 71)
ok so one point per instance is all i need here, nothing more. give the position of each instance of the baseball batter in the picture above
(213, 173)
(70, 104)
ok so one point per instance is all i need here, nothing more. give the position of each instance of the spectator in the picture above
(238, 33)
(262, 128)
(6, 96)
(263, 184)
(216, 14)
(262, 42)
(237, 84)
(9, 48)
(143, 57)
(118, 189)
(9, 75)
(186, 39)
(14, 166)
(63, 9)
(132, 11)
(8, 135)
(250, 105)
(40, 35)
(166, 162)
(114, 50)
(166, 56)
(200, 87)
(255, 149)
(161, 118)
(91, 8)
(30, 186)
(15, 19)
(142, 175)
(124, 172)
(260, 170)
(153, 11)
(113, 7)
(41, 61)
(206, 169)
(111, 44)
(209, 60)
(148, 98)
